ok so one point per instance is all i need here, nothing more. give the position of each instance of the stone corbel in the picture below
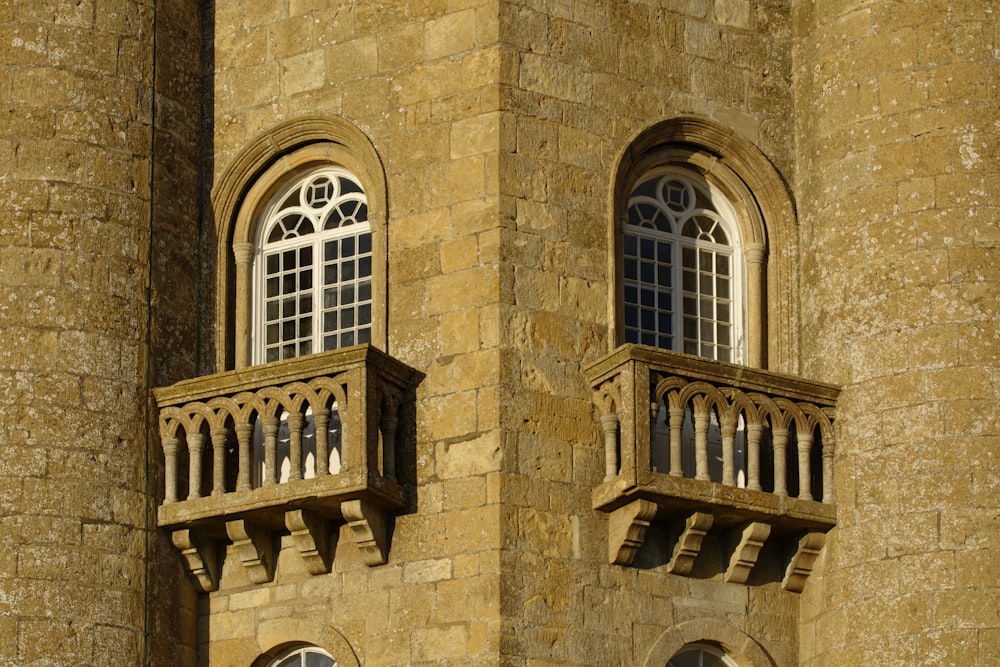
(689, 541)
(627, 529)
(751, 538)
(201, 556)
(802, 562)
(255, 547)
(311, 536)
(370, 527)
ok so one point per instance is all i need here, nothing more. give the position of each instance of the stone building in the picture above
(637, 332)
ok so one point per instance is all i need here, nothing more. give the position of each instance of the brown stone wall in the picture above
(177, 295)
(74, 240)
(498, 125)
(420, 80)
(900, 292)
(579, 80)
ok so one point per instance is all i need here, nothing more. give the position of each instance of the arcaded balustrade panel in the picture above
(315, 430)
(746, 438)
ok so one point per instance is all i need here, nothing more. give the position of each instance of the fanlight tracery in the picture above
(681, 283)
(313, 267)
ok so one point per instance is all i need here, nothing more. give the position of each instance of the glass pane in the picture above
(630, 245)
(365, 244)
(631, 270)
(365, 315)
(631, 317)
(707, 283)
(646, 272)
(647, 249)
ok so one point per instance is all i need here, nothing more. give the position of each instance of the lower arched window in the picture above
(700, 655)
(303, 656)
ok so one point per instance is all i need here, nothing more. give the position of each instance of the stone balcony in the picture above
(703, 445)
(243, 463)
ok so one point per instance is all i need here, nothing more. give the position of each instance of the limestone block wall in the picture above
(179, 196)
(420, 80)
(899, 225)
(75, 90)
(579, 80)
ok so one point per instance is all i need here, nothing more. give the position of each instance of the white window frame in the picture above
(726, 215)
(317, 240)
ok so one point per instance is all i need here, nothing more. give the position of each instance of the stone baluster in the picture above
(244, 432)
(270, 426)
(609, 425)
(676, 441)
(805, 442)
(171, 447)
(753, 456)
(388, 422)
(780, 436)
(196, 443)
(321, 418)
(728, 427)
(219, 437)
(295, 423)
(701, 443)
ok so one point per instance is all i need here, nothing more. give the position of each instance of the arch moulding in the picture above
(252, 178)
(763, 204)
(740, 647)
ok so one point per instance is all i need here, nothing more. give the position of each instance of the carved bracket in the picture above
(689, 541)
(200, 556)
(370, 527)
(627, 529)
(802, 562)
(255, 547)
(751, 539)
(311, 536)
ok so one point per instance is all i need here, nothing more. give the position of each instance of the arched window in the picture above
(312, 267)
(704, 243)
(301, 216)
(700, 655)
(303, 656)
(682, 267)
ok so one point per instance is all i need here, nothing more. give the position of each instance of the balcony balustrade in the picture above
(709, 445)
(293, 446)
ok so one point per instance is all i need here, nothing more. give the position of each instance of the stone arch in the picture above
(253, 176)
(279, 634)
(739, 646)
(766, 213)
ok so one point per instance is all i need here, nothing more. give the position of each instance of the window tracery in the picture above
(313, 267)
(682, 268)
